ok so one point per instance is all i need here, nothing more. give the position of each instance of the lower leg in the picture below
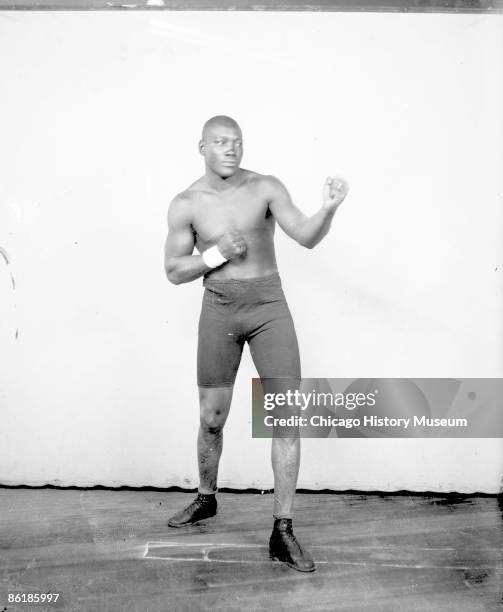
(209, 449)
(214, 404)
(285, 455)
(214, 408)
(283, 545)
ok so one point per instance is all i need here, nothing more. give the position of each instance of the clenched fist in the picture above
(335, 190)
(232, 245)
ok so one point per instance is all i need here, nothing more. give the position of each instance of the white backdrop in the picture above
(101, 114)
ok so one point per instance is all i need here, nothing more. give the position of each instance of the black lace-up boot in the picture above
(201, 508)
(283, 546)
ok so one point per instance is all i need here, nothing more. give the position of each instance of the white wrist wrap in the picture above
(213, 258)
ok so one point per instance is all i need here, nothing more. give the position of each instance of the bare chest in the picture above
(215, 215)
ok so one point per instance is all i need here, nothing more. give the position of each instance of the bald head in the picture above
(221, 145)
(219, 121)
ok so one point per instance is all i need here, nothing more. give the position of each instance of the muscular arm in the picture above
(180, 264)
(307, 231)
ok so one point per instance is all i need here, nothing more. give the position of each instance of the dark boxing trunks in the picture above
(239, 311)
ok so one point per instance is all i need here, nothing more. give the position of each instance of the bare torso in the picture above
(245, 208)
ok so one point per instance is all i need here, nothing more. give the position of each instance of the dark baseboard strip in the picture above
(453, 495)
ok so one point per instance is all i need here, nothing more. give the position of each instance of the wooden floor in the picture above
(112, 550)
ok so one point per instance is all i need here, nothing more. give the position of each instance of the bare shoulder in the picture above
(180, 208)
(186, 198)
(266, 183)
(271, 188)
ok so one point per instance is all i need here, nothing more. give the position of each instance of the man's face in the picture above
(222, 149)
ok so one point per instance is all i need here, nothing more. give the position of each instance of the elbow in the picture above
(173, 278)
(306, 241)
(171, 272)
(308, 244)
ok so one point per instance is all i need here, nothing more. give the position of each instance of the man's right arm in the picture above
(180, 264)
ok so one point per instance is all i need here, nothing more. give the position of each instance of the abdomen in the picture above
(259, 259)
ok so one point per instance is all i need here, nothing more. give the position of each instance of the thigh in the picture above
(219, 348)
(273, 345)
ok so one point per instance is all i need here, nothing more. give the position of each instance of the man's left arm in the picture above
(307, 231)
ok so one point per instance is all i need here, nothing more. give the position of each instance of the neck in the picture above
(219, 183)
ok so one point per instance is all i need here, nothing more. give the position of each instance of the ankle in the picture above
(282, 523)
(206, 497)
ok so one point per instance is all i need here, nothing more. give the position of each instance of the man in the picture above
(229, 215)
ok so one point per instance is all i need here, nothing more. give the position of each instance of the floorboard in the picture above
(112, 551)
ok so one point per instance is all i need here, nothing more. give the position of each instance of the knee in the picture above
(212, 414)
(214, 407)
(211, 421)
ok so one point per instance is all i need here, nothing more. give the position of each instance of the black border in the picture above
(402, 6)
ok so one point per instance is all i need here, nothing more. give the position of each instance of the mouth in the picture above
(229, 162)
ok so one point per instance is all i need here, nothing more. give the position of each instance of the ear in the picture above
(202, 146)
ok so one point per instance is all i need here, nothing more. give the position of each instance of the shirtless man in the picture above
(229, 215)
